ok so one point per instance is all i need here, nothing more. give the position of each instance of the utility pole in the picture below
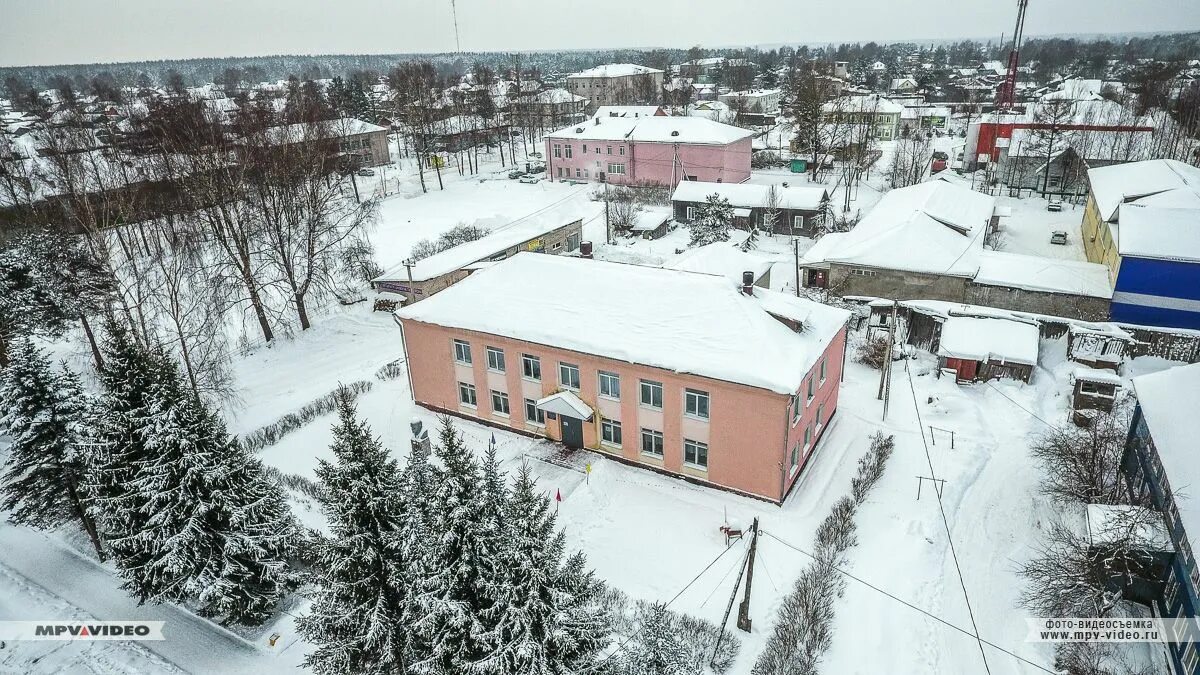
(796, 253)
(743, 622)
(885, 377)
(607, 221)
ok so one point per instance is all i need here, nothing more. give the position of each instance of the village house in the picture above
(701, 71)
(364, 143)
(551, 108)
(981, 348)
(649, 150)
(874, 115)
(417, 280)
(615, 358)
(754, 107)
(1160, 466)
(926, 241)
(617, 84)
(801, 210)
(1142, 222)
(630, 111)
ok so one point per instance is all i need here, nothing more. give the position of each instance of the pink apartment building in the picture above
(689, 374)
(652, 149)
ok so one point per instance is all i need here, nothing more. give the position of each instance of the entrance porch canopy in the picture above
(565, 403)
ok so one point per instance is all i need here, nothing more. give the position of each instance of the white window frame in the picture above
(824, 368)
(616, 169)
(691, 213)
(607, 435)
(810, 394)
(567, 151)
(564, 368)
(558, 152)
(607, 382)
(653, 434)
(462, 352)
(691, 404)
(467, 391)
(808, 439)
(698, 448)
(530, 364)
(821, 416)
(495, 359)
(539, 415)
(797, 222)
(501, 398)
(650, 386)
(621, 150)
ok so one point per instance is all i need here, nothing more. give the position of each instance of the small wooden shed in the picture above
(1093, 390)
(988, 348)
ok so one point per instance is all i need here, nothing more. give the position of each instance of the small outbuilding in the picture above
(1093, 390)
(980, 349)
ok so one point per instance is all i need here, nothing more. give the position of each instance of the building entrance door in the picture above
(572, 431)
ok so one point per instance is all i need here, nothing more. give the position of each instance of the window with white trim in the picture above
(610, 432)
(466, 394)
(567, 151)
(797, 409)
(558, 151)
(495, 359)
(652, 443)
(533, 414)
(499, 402)
(652, 394)
(810, 391)
(824, 368)
(568, 375)
(691, 213)
(618, 169)
(807, 438)
(531, 367)
(610, 385)
(695, 453)
(621, 150)
(798, 222)
(462, 352)
(795, 457)
(820, 415)
(609, 150)
(695, 403)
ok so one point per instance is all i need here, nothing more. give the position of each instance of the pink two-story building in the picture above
(686, 373)
(654, 149)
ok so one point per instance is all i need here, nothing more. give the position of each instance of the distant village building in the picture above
(879, 116)
(617, 84)
(649, 150)
(1142, 221)
(615, 358)
(800, 210)
(755, 107)
(1160, 466)
(365, 143)
(551, 108)
(701, 71)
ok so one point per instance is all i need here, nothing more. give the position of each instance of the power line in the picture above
(911, 606)
(1027, 410)
(946, 521)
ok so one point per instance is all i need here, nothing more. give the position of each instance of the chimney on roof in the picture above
(585, 250)
(748, 283)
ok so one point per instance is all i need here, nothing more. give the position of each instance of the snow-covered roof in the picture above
(751, 195)
(463, 255)
(629, 111)
(615, 70)
(721, 258)
(815, 255)
(1155, 182)
(1088, 374)
(1168, 402)
(678, 321)
(337, 128)
(989, 339)
(873, 103)
(935, 227)
(1076, 90)
(556, 96)
(1035, 273)
(693, 130)
(649, 219)
(565, 403)
(1159, 232)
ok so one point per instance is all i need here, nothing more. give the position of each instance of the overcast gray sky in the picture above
(36, 32)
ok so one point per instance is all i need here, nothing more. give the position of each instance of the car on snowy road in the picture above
(530, 178)
(1058, 237)
(1055, 204)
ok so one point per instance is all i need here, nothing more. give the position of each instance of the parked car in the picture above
(515, 173)
(530, 178)
(1058, 237)
(365, 172)
(536, 167)
(1054, 204)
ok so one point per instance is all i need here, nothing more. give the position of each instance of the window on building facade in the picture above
(824, 364)
(578, 172)
(820, 415)
(691, 213)
(695, 403)
(609, 150)
(466, 394)
(567, 151)
(807, 438)
(610, 432)
(597, 149)
(652, 442)
(810, 390)
(795, 456)
(557, 150)
(531, 368)
(621, 150)
(462, 352)
(798, 222)
(568, 375)
(499, 402)
(618, 169)
(695, 453)
(495, 359)
(652, 394)
(610, 385)
(797, 409)
(533, 414)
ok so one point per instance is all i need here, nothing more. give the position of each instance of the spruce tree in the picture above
(657, 648)
(359, 619)
(43, 412)
(713, 220)
(462, 563)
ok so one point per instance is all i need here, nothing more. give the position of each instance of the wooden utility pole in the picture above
(607, 221)
(884, 370)
(743, 622)
(796, 253)
(887, 383)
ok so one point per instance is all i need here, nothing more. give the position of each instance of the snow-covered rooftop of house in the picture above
(873, 103)
(751, 194)
(683, 322)
(649, 219)
(1168, 402)
(1109, 146)
(1155, 182)
(815, 255)
(463, 255)
(1112, 523)
(556, 96)
(615, 70)
(935, 227)
(1159, 232)
(1076, 90)
(721, 258)
(1035, 273)
(1088, 374)
(988, 339)
(629, 111)
(695, 130)
(341, 127)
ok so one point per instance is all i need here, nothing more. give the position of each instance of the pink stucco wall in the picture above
(665, 163)
(749, 431)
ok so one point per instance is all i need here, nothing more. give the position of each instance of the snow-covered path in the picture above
(192, 644)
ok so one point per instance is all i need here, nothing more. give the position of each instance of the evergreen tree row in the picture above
(442, 567)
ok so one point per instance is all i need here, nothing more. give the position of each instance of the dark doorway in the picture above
(572, 431)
